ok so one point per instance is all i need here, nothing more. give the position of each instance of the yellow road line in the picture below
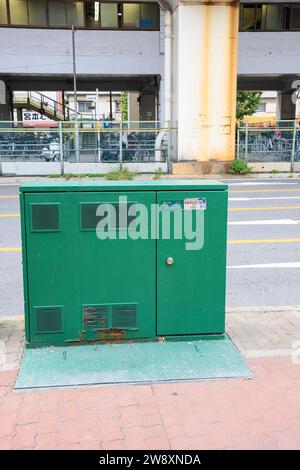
(267, 208)
(262, 190)
(9, 215)
(9, 197)
(265, 240)
(11, 248)
(230, 242)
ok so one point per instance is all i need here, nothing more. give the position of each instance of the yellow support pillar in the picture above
(205, 79)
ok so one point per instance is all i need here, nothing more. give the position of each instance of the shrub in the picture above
(239, 167)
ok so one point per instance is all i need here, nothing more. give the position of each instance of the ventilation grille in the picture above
(118, 219)
(106, 317)
(44, 217)
(95, 318)
(48, 319)
(89, 219)
(124, 316)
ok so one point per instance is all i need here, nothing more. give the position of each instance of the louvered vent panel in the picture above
(95, 318)
(124, 316)
(45, 217)
(48, 319)
(89, 218)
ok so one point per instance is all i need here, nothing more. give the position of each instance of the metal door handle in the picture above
(169, 260)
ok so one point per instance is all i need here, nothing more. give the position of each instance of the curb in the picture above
(230, 311)
(12, 318)
(263, 309)
(16, 180)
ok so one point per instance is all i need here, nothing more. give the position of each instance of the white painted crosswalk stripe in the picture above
(259, 183)
(243, 199)
(293, 265)
(266, 222)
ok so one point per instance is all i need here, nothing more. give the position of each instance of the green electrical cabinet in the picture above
(147, 275)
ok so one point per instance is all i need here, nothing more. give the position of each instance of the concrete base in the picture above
(54, 168)
(201, 168)
(268, 167)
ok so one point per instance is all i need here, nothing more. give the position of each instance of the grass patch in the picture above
(69, 176)
(158, 173)
(122, 174)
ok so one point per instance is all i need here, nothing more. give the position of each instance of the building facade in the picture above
(182, 59)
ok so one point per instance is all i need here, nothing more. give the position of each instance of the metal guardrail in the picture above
(98, 142)
(262, 142)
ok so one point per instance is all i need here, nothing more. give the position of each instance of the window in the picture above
(262, 108)
(131, 15)
(3, 12)
(248, 18)
(57, 13)
(295, 18)
(273, 17)
(92, 14)
(85, 106)
(269, 17)
(18, 12)
(251, 18)
(75, 13)
(37, 12)
(109, 15)
(81, 13)
(149, 16)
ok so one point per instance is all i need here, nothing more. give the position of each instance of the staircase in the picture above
(44, 105)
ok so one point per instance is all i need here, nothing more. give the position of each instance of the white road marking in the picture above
(265, 222)
(261, 198)
(295, 264)
(258, 183)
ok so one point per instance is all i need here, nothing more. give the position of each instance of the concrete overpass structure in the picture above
(184, 57)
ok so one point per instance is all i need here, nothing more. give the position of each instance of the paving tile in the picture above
(262, 413)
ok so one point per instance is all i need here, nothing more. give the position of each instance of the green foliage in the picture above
(158, 174)
(123, 174)
(247, 103)
(124, 106)
(69, 176)
(239, 167)
(275, 171)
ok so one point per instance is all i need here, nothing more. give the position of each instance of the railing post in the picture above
(293, 146)
(0, 164)
(121, 146)
(238, 142)
(246, 142)
(169, 147)
(61, 149)
(98, 141)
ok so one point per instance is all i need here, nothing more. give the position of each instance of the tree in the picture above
(124, 106)
(247, 103)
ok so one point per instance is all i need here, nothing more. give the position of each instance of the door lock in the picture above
(169, 260)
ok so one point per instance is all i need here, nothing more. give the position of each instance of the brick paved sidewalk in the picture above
(262, 413)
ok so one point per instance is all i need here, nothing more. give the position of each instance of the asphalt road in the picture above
(263, 245)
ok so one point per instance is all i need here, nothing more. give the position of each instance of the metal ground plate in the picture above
(131, 363)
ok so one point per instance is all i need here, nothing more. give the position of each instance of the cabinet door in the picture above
(191, 278)
(81, 287)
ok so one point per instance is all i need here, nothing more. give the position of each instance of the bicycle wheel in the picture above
(142, 155)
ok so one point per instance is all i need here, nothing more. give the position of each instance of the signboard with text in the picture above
(34, 119)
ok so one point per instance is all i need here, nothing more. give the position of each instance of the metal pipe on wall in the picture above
(167, 59)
